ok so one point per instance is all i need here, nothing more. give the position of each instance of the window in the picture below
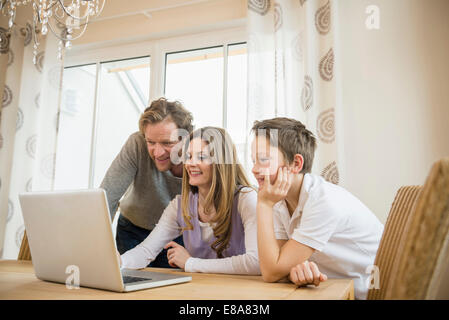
(200, 78)
(123, 96)
(196, 79)
(106, 90)
(75, 128)
(236, 96)
(101, 107)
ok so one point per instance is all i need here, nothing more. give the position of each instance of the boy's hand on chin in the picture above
(269, 194)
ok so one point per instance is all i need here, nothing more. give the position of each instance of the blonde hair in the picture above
(227, 176)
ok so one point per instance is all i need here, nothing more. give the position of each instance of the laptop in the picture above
(71, 239)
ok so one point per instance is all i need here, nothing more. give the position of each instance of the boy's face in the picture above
(266, 158)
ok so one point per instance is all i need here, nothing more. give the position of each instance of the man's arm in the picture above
(120, 174)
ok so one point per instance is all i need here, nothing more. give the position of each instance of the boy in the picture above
(301, 217)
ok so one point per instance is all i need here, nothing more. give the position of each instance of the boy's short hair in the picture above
(161, 109)
(292, 138)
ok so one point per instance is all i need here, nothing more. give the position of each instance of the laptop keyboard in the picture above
(129, 279)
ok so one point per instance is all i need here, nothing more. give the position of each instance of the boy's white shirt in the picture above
(168, 229)
(342, 230)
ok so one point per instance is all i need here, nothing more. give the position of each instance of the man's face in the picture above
(159, 143)
(266, 159)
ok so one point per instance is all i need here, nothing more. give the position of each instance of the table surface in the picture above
(18, 281)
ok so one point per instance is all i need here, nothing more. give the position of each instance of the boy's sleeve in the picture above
(279, 230)
(318, 222)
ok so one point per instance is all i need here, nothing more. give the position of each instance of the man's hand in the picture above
(270, 194)
(177, 255)
(306, 273)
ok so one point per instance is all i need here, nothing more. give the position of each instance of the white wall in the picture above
(395, 96)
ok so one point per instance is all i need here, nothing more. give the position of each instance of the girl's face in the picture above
(266, 158)
(199, 164)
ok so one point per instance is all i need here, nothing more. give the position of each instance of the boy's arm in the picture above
(281, 242)
(276, 257)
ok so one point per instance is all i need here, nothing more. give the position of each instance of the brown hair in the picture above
(160, 109)
(292, 138)
(227, 177)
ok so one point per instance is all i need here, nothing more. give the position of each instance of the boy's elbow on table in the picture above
(271, 275)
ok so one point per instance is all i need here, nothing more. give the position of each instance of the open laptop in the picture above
(70, 231)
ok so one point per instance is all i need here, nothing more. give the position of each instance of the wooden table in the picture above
(17, 281)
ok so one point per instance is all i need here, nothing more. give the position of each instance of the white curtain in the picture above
(291, 71)
(28, 128)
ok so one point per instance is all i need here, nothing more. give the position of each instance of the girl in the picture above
(215, 213)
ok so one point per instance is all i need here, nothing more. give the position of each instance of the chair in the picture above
(413, 254)
(393, 234)
(24, 252)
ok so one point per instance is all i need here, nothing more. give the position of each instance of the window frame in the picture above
(157, 49)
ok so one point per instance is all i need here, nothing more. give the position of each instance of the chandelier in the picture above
(66, 19)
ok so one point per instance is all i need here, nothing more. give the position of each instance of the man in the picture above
(144, 170)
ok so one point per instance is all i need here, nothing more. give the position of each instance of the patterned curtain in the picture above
(30, 95)
(291, 71)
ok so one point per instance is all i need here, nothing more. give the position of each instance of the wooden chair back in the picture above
(423, 247)
(413, 254)
(394, 232)
(24, 252)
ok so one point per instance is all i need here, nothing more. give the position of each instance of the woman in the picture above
(216, 213)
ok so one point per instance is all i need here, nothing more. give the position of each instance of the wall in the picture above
(394, 96)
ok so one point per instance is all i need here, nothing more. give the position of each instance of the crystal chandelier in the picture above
(66, 19)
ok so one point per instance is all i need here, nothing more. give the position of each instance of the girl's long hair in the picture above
(227, 175)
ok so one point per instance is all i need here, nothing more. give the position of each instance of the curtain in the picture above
(29, 122)
(291, 71)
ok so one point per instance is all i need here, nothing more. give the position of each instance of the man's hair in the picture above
(161, 109)
(291, 137)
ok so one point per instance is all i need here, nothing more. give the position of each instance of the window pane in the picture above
(75, 128)
(236, 96)
(123, 96)
(196, 78)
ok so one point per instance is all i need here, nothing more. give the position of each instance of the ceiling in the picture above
(143, 19)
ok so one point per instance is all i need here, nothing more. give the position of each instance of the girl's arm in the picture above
(166, 230)
(247, 263)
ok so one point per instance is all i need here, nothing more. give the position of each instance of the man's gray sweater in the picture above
(148, 190)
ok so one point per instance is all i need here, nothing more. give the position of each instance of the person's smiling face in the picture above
(159, 144)
(198, 164)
